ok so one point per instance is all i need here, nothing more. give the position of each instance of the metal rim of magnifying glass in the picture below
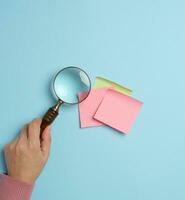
(53, 84)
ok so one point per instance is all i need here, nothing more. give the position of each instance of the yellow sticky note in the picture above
(102, 82)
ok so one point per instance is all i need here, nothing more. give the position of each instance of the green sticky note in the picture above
(102, 82)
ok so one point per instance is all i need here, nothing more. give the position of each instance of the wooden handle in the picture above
(49, 116)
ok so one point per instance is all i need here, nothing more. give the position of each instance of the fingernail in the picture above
(49, 127)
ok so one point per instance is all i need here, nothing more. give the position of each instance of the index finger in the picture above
(34, 131)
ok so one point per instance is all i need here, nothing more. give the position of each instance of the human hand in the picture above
(27, 154)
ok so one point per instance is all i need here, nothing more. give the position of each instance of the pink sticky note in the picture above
(88, 107)
(118, 111)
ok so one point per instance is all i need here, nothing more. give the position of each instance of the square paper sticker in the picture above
(118, 110)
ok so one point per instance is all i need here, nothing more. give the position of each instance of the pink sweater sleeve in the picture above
(11, 189)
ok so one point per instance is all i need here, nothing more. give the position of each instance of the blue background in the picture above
(140, 44)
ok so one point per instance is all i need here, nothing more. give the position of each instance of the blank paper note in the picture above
(102, 82)
(88, 107)
(118, 111)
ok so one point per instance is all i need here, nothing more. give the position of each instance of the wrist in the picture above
(22, 179)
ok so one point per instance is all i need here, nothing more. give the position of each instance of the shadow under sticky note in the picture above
(118, 111)
(89, 106)
(102, 82)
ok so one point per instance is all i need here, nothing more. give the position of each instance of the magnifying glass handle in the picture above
(50, 116)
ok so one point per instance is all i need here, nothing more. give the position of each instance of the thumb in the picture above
(46, 140)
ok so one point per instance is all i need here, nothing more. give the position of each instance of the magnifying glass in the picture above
(67, 85)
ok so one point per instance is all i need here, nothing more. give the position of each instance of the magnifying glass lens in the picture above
(69, 82)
